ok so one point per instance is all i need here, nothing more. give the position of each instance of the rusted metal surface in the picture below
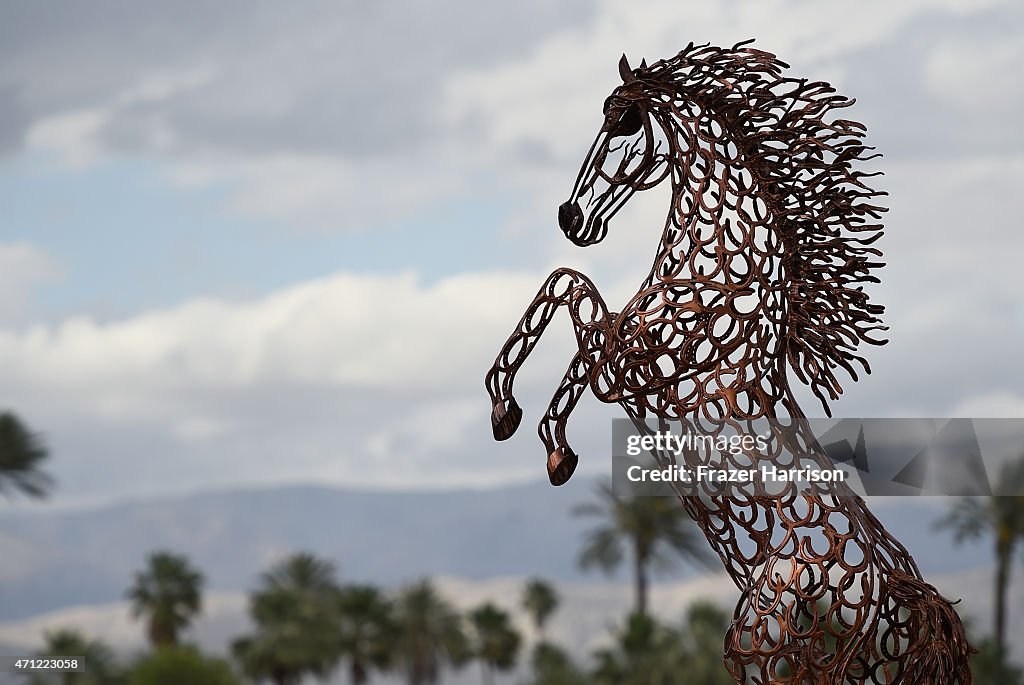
(758, 279)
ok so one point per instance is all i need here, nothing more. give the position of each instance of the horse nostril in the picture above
(570, 217)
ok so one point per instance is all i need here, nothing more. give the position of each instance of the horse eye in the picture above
(630, 121)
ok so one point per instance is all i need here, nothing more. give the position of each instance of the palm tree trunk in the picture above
(161, 633)
(359, 674)
(640, 580)
(1003, 559)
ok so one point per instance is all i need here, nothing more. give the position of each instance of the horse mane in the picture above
(806, 171)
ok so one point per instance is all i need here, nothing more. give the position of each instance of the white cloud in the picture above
(23, 268)
(199, 428)
(358, 379)
(324, 126)
(71, 136)
(554, 94)
(75, 136)
(323, 191)
(325, 117)
(969, 74)
(365, 330)
(995, 405)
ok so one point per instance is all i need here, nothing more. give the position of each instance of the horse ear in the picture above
(643, 63)
(626, 71)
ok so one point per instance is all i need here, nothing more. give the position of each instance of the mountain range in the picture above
(55, 559)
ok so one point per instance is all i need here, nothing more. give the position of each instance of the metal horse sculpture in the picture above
(759, 275)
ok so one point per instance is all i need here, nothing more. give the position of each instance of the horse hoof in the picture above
(561, 465)
(505, 421)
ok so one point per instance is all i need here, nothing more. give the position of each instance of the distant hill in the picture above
(52, 560)
(57, 559)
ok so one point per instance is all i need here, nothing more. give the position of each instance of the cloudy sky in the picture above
(262, 242)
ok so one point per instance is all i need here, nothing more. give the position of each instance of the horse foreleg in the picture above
(561, 459)
(563, 286)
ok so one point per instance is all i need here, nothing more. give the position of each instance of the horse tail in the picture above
(937, 651)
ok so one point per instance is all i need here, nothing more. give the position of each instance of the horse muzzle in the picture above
(570, 218)
(580, 232)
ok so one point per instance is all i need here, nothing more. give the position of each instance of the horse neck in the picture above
(671, 261)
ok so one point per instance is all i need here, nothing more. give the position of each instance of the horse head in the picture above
(626, 157)
(769, 204)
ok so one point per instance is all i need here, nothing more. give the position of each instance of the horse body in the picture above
(765, 245)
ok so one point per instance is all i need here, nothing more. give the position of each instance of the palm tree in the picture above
(181, 665)
(430, 634)
(169, 592)
(96, 659)
(702, 642)
(1002, 517)
(657, 531)
(266, 656)
(553, 666)
(367, 627)
(302, 573)
(540, 601)
(990, 665)
(297, 626)
(645, 652)
(21, 454)
(496, 642)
